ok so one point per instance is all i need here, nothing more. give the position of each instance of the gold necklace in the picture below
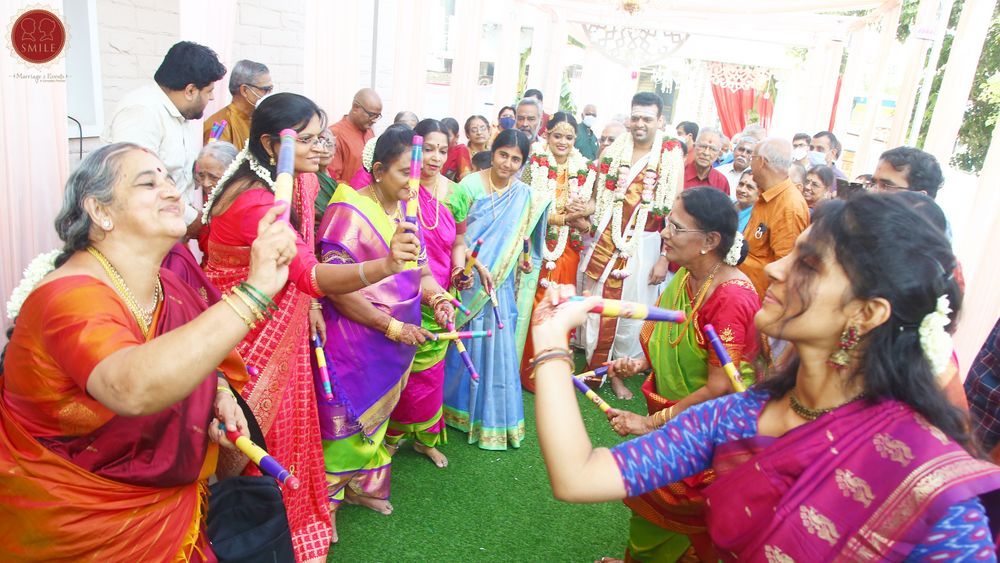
(493, 191)
(811, 413)
(699, 300)
(437, 207)
(143, 315)
(373, 194)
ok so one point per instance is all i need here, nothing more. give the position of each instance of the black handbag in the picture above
(247, 521)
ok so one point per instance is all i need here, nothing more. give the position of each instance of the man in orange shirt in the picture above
(249, 82)
(352, 132)
(780, 214)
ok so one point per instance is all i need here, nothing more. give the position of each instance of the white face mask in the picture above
(816, 158)
(589, 120)
(798, 153)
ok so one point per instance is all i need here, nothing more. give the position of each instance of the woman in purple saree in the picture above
(372, 334)
(851, 454)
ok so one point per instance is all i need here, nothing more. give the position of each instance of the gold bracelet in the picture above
(237, 291)
(249, 322)
(361, 274)
(225, 389)
(316, 306)
(395, 330)
(551, 354)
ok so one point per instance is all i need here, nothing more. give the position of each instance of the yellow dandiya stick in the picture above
(261, 458)
(630, 310)
(285, 169)
(472, 260)
(462, 334)
(581, 386)
(727, 363)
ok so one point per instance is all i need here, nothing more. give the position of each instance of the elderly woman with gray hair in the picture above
(118, 376)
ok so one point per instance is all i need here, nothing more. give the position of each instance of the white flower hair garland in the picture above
(244, 155)
(934, 339)
(38, 268)
(733, 256)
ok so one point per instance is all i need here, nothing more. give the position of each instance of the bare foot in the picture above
(378, 505)
(609, 560)
(333, 521)
(618, 386)
(437, 457)
(392, 448)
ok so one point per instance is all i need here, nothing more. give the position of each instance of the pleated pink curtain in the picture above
(34, 161)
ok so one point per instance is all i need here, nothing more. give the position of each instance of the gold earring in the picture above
(272, 161)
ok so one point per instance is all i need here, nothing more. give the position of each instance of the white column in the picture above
(915, 53)
(332, 71)
(958, 77)
(862, 159)
(409, 63)
(555, 64)
(465, 65)
(538, 60)
(853, 83)
(507, 64)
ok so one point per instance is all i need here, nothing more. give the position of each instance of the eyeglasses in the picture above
(264, 89)
(814, 185)
(674, 230)
(480, 129)
(704, 146)
(887, 186)
(315, 141)
(374, 116)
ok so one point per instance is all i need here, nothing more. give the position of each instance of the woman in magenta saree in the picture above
(372, 334)
(853, 453)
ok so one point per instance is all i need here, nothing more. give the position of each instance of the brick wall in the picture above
(272, 33)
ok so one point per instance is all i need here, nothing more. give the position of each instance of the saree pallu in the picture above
(130, 488)
(182, 262)
(669, 523)
(458, 164)
(369, 371)
(491, 409)
(419, 412)
(865, 482)
(283, 395)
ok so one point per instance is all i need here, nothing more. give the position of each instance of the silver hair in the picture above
(710, 131)
(797, 173)
(777, 154)
(755, 131)
(744, 139)
(531, 102)
(95, 177)
(222, 151)
(245, 72)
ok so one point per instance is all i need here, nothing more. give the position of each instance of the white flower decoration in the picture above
(934, 339)
(733, 256)
(39, 267)
(368, 154)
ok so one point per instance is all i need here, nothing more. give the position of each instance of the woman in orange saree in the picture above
(281, 391)
(558, 170)
(109, 426)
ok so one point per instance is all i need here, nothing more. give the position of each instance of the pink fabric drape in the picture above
(34, 160)
(734, 106)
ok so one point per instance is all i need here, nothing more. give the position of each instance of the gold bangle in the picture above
(316, 306)
(550, 354)
(249, 303)
(395, 330)
(361, 274)
(249, 322)
(225, 389)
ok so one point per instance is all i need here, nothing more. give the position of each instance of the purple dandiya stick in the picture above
(464, 355)
(630, 310)
(727, 363)
(261, 458)
(324, 373)
(496, 308)
(581, 386)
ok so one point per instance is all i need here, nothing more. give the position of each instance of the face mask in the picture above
(506, 122)
(817, 159)
(589, 121)
(725, 157)
(798, 153)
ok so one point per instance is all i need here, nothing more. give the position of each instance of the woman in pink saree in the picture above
(282, 393)
(853, 453)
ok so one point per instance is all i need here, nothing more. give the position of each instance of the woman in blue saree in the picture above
(503, 212)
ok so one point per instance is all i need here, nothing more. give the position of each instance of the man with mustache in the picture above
(742, 152)
(699, 171)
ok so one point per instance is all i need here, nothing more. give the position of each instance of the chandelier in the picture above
(632, 7)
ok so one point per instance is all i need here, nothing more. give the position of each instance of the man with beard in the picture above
(528, 117)
(742, 152)
(699, 172)
(161, 116)
(640, 174)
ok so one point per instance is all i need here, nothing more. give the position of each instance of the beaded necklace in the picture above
(494, 191)
(699, 300)
(437, 207)
(142, 314)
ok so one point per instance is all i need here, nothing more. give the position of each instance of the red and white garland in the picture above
(663, 173)
(545, 181)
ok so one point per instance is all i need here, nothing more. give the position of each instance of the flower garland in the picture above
(368, 154)
(733, 256)
(545, 181)
(39, 267)
(934, 338)
(663, 173)
(244, 155)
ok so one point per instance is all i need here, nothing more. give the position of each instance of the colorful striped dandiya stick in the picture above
(526, 251)
(496, 308)
(466, 334)
(727, 363)
(630, 310)
(286, 163)
(416, 163)
(261, 458)
(472, 261)
(324, 373)
(464, 354)
(458, 305)
(581, 386)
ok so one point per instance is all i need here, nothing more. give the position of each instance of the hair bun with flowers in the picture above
(935, 340)
(39, 267)
(368, 154)
(735, 251)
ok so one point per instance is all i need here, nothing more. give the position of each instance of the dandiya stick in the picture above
(416, 163)
(526, 251)
(286, 163)
(496, 308)
(464, 354)
(261, 458)
(458, 305)
(630, 310)
(462, 334)
(581, 386)
(727, 363)
(324, 373)
(472, 261)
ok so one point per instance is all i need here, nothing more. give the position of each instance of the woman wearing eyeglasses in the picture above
(700, 236)
(477, 130)
(819, 186)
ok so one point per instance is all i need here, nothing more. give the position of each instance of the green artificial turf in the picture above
(488, 506)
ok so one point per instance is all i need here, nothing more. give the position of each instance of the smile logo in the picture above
(38, 36)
